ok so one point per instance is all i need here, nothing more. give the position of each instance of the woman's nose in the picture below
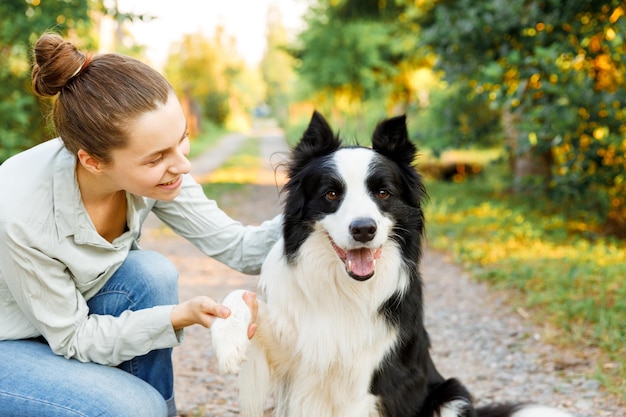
(181, 165)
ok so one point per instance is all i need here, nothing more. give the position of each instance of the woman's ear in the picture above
(89, 162)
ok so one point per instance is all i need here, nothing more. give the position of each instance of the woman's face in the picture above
(153, 162)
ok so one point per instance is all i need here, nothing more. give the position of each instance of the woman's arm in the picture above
(198, 219)
(44, 292)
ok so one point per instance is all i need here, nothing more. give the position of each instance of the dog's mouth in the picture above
(360, 263)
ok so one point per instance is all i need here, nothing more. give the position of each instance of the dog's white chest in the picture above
(331, 372)
(334, 336)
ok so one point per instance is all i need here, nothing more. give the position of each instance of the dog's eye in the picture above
(383, 194)
(332, 195)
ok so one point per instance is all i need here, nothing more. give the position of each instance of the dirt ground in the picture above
(476, 335)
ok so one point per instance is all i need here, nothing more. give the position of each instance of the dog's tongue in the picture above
(361, 261)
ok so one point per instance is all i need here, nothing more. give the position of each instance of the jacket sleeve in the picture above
(47, 296)
(198, 219)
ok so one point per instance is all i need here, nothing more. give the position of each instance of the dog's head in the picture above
(361, 199)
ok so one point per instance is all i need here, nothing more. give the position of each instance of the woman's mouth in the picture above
(171, 184)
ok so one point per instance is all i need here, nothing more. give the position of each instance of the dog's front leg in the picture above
(229, 336)
(235, 353)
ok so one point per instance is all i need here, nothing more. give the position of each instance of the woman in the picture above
(87, 319)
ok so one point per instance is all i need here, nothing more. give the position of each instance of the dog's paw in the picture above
(230, 335)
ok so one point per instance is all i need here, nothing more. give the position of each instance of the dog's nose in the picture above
(363, 230)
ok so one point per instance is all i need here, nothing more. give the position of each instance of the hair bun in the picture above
(56, 62)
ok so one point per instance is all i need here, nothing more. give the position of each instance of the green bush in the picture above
(565, 270)
(456, 118)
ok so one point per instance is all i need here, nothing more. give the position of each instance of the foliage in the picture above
(207, 71)
(554, 71)
(564, 270)
(277, 67)
(353, 67)
(197, 67)
(558, 67)
(21, 23)
(21, 124)
(248, 90)
(348, 60)
(456, 117)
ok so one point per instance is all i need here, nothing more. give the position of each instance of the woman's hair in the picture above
(99, 97)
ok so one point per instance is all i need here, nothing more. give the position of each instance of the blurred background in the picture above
(517, 107)
(540, 83)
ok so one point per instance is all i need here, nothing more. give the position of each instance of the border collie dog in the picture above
(341, 331)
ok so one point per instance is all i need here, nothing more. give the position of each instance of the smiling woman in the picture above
(73, 280)
(136, 168)
(155, 159)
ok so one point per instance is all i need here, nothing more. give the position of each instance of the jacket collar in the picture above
(70, 214)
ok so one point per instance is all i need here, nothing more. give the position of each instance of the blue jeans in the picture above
(34, 381)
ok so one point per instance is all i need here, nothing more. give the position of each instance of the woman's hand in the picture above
(204, 310)
(251, 301)
(200, 310)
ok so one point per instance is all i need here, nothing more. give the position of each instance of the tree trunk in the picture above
(529, 166)
(616, 218)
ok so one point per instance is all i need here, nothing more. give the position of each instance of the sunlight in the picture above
(175, 19)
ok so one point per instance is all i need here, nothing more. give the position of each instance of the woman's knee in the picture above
(136, 400)
(151, 264)
(145, 279)
(156, 277)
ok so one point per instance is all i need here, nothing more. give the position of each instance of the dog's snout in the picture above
(363, 230)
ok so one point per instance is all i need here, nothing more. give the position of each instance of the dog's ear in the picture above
(391, 139)
(318, 139)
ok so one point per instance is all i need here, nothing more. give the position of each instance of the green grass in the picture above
(238, 171)
(571, 278)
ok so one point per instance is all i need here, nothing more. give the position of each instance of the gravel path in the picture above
(476, 336)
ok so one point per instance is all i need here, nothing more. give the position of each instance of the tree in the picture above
(456, 117)
(277, 66)
(353, 52)
(555, 70)
(21, 124)
(208, 72)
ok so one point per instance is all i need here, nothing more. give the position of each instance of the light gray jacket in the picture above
(52, 260)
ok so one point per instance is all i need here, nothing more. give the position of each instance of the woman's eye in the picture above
(383, 194)
(332, 195)
(156, 161)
